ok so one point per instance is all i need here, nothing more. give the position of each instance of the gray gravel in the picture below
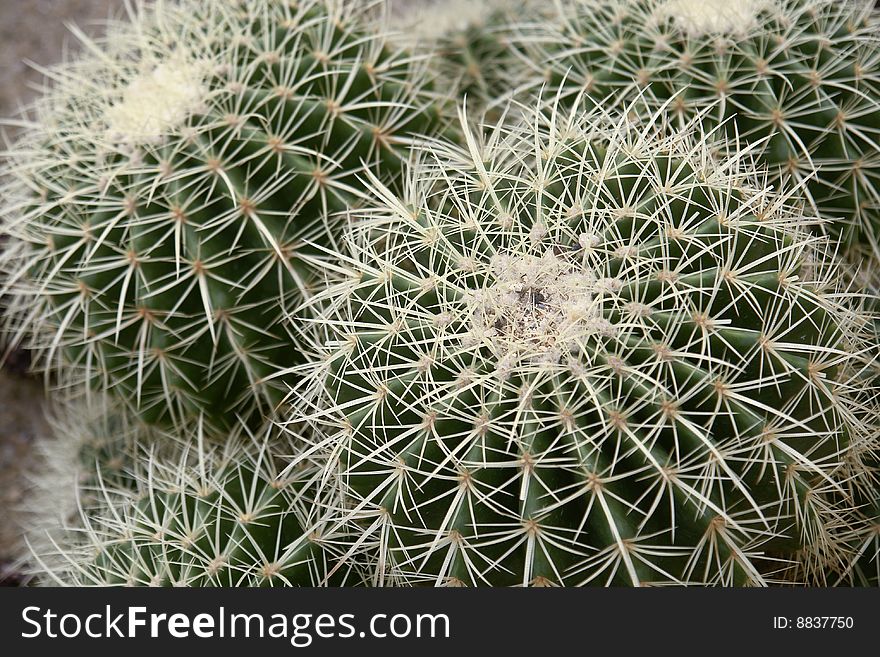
(35, 30)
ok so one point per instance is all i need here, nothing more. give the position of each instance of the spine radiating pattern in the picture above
(583, 351)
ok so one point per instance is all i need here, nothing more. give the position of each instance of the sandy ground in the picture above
(30, 30)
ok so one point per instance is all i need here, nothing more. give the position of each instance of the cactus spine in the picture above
(862, 567)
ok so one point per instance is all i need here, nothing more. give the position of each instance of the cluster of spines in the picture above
(861, 564)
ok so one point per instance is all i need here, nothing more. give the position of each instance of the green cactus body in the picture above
(162, 207)
(186, 514)
(583, 354)
(800, 76)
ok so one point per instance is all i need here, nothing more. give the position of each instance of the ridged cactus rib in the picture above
(160, 207)
(582, 352)
(802, 77)
(191, 514)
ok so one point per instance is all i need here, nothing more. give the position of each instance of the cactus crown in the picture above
(705, 17)
(157, 102)
(584, 351)
(467, 47)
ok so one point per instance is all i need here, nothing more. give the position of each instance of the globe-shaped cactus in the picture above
(580, 352)
(800, 77)
(186, 512)
(160, 207)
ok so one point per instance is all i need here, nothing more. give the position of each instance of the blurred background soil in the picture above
(30, 30)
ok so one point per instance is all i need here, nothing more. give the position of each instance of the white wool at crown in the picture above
(430, 21)
(537, 304)
(157, 101)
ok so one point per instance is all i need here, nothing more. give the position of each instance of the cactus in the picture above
(582, 351)
(865, 569)
(184, 512)
(88, 443)
(89, 447)
(800, 76)
(160, 206)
